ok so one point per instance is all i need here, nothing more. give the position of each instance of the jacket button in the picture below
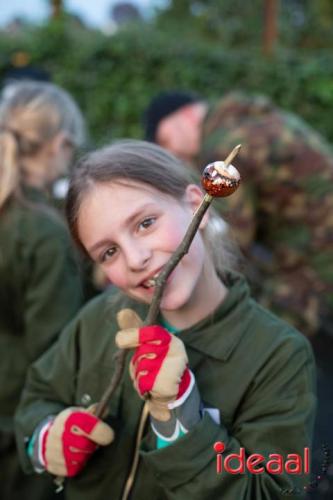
(86, 399)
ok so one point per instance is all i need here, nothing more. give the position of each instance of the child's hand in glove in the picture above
(159, 370)
(66, 443)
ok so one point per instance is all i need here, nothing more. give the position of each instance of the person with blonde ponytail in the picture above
(40, 290)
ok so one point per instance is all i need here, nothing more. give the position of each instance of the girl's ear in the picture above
(194, 197)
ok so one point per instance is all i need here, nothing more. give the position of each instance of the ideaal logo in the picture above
(276, 464)
(294, 464)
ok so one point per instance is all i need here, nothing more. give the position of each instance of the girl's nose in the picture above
(137, 257)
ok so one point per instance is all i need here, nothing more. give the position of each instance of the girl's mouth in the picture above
(150, 282)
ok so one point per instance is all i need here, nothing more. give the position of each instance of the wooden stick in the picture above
(120, 356)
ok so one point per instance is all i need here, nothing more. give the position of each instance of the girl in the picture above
(40, 286)
(215, 368)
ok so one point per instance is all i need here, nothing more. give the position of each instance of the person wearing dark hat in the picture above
(173, 120)
(281, 216)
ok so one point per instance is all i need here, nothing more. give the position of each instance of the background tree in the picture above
(270, 29)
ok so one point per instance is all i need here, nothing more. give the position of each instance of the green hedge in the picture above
(114, 77)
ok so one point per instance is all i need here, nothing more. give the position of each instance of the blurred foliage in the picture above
(114, 77)
(235, 23)
(306, 24)
(216, 21)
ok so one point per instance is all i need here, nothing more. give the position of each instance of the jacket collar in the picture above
(218, 334)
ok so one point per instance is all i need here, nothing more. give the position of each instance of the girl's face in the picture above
(131, 229)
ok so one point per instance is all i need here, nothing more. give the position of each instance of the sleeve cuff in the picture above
(35, 445)
(180, 463)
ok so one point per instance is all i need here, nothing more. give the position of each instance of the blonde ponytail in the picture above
(31, 114)
(9, 169)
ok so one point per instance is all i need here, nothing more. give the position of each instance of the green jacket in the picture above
(40, 291)
(253, 368)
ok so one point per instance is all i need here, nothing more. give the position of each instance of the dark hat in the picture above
(15, 74)
(162, 105)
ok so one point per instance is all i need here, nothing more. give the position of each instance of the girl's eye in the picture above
(108, 254)
(147, 222)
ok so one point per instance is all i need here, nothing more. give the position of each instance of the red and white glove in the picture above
(66, 443)
(158, 367)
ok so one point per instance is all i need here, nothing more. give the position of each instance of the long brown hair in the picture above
(147, 163)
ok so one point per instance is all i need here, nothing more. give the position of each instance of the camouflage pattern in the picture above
(283, 215)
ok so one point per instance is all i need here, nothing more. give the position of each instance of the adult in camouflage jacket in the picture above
(282, 215)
